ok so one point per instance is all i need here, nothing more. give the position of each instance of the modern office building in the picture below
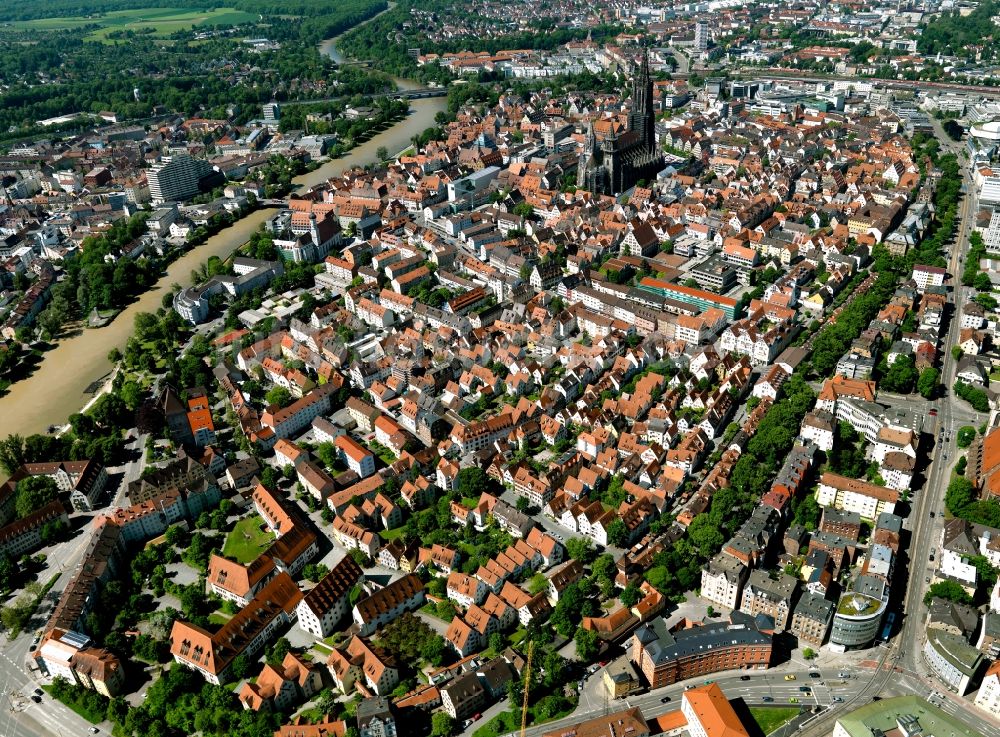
(696, 297)
(859, 614)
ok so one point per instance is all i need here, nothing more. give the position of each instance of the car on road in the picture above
(790, 677)
(927, 579)
(36, 698)
(665, 700)
(792, 700)
(814, 674)
(837, 700)
(805, 689)
(844, 674)
(766, 699)
(744, 678)
(94, 730)
(933, 412)
(932, 515)
(39, 692)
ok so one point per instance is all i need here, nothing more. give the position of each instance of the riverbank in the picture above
(58, 386)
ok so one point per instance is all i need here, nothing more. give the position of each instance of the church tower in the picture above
(641, 118)
(586, 162)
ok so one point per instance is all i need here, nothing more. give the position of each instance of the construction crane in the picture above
(527, 683)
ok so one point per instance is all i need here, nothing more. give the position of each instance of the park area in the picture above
(249, 538)
(159, 22)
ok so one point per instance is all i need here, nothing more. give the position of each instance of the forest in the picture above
(204, 77)
(951, 32)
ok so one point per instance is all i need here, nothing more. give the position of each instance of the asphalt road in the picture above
(771, 684)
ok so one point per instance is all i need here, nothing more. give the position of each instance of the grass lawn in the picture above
(218, 618)
(160, 22)
(770, 718)
(248, 539)
(502, 723)
(388, 535)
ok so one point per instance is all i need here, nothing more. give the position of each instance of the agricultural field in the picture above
(158, 22)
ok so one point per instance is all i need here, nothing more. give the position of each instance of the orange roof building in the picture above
(709, 709)
(247, 632)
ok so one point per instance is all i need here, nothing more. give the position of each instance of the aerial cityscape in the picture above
(509, 369)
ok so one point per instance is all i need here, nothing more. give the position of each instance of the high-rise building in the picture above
(176, 178)
(272, 113)
(700, 37)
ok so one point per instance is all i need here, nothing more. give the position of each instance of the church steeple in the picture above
(641, 117)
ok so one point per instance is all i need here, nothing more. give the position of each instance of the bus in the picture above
(887, 630)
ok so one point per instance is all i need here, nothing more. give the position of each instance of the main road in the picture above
(902, 662)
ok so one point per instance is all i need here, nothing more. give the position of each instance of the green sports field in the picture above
(158, 21)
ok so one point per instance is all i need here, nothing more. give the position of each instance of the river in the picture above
(57, 388)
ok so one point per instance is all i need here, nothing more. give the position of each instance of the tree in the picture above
(523, 209)
(279, 396)
(277, 652)
(240, 667)
(33, 493)
(927, 383)
(617, 533)
(809, 654)
(587, 644)
(445, 610)
(12, 453)
(314, 571)
(604, 567)
(581, 549)
(631, 595)
(704, 535)
(442, 725)
(537, 584)
(497, 642)
(901, 376)
(948, 590)
(382, 153)
(471, 482)
(8, 573)
(965, 436)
